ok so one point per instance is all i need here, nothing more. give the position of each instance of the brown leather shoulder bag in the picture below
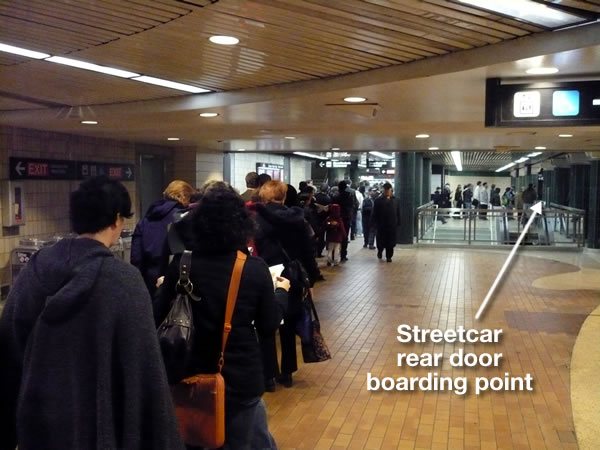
(200, 400)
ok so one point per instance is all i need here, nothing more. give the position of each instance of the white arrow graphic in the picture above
(537, 209)
(20, 168)
(128, 172)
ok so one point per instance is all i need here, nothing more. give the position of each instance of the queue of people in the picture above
(480, 198)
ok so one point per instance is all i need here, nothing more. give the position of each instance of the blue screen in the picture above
(565, 103)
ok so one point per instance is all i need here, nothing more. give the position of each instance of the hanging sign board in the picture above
(551, 104)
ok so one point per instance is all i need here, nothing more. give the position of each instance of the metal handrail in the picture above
(567, 208)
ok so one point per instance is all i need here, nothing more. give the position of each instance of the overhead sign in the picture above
(337, 164)
(554, 104)
(380, 164)
(56, 169)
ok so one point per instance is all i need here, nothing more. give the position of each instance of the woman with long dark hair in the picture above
(215, 230)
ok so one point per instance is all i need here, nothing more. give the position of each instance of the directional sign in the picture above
(41, 169)
(115, 171)
(56, 169)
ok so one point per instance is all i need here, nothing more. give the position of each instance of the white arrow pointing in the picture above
(128, 172)
(20, 168)
(537, 209)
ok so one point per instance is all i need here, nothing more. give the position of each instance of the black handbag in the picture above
(176, 332)
(314, 348)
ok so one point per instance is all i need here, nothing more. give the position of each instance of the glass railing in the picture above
(557, 226)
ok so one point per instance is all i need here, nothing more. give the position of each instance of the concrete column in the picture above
(559, 186)
(426, 185)
(418, 179)
(579, 186)
(404, 188)
(593, 218)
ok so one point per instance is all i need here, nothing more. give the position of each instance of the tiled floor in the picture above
(361, 305)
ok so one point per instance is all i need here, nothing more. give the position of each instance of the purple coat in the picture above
(148, 241)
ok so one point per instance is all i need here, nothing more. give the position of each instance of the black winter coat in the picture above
(279, 226)
(210, 275)
(386, 217)
(81, 366)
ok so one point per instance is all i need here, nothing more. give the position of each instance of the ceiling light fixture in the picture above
(209, 114)
(457, 161)
(534, 154)
(224, 40)
(170, 84)
(92, 67)
(89, 122)
(422, 136)
(355, 99)
(433, 148)
(565, 135)
(522, 160)
(22, 52)
(289, 137)
(541, 70)
(172, 139)
(508, 166)
(382, 155)
(310, 155)
(540, 148)
(596, 102)
(240, 149)
(529, 11)
(335, 149)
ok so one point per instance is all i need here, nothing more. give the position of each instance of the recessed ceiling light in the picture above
(22, 51)
(171, 84)
(529, 11)
(433, 148)
(209, 114)
(224, 40)
(172, 139)
(89, 122)
(540, 148)
(240, 149)
(289, 137)
(565, 135)
(422, 136)
(541, 70)
(335, 149)
(92, 67)
(355, 99)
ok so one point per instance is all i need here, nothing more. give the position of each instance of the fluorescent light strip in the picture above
(310, 155)
(92, 67)
(170, 84)
(382, 155)
(529, 11)
(22, 52)
(522, 160)
(596, 102)
(457, 160)
(534, 154)
(508, 166)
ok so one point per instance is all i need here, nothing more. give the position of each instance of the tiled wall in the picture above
(209, 166)
(47, 202)
(242, 163)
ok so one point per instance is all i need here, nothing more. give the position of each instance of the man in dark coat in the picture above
(81, 367)
(322, 201)
(346, 199)
(386, 219)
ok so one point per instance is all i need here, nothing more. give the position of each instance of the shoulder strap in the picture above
(232, 294)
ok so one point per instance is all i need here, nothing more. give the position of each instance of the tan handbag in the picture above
(200, 400)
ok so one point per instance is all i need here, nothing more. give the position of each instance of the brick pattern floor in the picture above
(362, 303)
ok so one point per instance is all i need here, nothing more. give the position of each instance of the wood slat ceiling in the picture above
(282, 41)
(477, 160)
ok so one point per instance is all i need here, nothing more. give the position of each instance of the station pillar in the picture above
(579, 186)
(559, 186)
(418, 179)
(593, 219)
(426, 187)
(404, 190)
